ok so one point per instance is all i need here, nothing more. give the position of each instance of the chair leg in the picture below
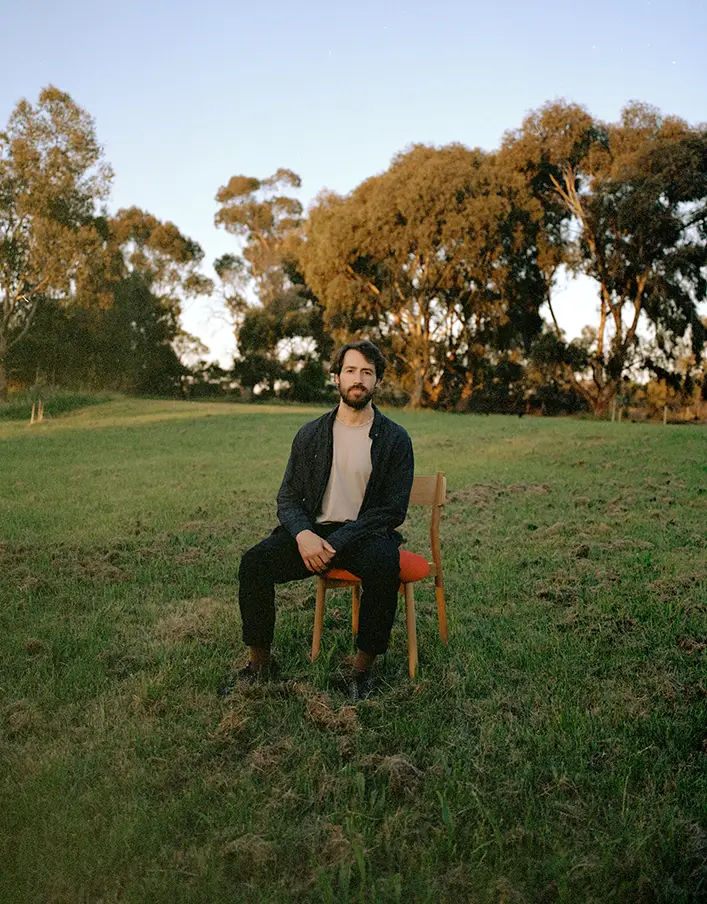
(318, 618)
(355, 606)
(441, 612)
(412, 628)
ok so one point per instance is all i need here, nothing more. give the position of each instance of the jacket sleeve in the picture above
(391, 507)
(290, 497)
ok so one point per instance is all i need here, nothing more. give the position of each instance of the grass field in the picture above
(555, 751)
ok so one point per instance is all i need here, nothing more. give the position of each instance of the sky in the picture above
(185, 95)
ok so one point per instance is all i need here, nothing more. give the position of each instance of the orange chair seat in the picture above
(412, 568)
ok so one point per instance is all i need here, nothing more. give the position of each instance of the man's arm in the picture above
(392, 508)
(316, 553)
(290, 509)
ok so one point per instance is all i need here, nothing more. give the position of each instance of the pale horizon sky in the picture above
(186, 95)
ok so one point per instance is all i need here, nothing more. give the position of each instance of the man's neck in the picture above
(353, 418)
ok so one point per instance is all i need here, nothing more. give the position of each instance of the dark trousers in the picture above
(375, 559)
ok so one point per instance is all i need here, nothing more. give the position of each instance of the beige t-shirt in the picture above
(350, 470)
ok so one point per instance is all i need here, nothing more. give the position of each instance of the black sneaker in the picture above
(249, 675)
(360, 686)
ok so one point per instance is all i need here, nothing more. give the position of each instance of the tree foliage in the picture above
(281, 340)
(129, 342)
(630, 201)
(430, 258)
(52, 241)
(446, 259)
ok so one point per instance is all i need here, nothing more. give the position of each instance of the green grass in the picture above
(556, 750)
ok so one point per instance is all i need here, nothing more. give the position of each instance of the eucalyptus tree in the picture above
(431, 258)
(628, 203)
(263, 217)
(124, 329)
(53, 179)
(277, 319)
(155, 270)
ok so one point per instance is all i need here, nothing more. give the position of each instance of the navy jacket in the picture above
(385, 502)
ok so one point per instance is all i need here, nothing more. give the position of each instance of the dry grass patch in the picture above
(21, 718)
(692, 646)
(321, 712)
(231, 724)
(250, 856)
(628, 543)
(478, 495)
(269, 756)
(402, 774)
(192, 620)
(675, 588)
(537, 489)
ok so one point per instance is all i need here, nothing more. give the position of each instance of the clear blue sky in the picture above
(186, 95)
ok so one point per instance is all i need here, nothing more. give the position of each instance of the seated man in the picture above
(345, 490)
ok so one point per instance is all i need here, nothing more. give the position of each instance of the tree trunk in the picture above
(600, 406)
(3, 374)
(418, 386)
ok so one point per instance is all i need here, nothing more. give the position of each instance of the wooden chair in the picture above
(429, 491)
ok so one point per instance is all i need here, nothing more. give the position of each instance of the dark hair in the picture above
(370, 352)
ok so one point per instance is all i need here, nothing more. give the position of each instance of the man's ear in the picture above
(336, 380)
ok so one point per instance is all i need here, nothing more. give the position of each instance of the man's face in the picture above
(357, 380)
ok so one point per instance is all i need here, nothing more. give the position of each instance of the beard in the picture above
(357, 402)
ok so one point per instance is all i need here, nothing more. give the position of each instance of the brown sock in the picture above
(363, 661)
(259, 657)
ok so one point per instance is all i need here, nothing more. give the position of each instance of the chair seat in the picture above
(412, 568)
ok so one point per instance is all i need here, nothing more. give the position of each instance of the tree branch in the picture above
(28, 322)
(554, 319)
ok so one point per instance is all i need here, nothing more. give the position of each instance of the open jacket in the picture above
(385, 502)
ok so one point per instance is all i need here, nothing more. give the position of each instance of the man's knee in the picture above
(253, 561)
(380, 563)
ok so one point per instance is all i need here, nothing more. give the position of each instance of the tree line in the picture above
(448, 260)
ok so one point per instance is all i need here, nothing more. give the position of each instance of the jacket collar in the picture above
(375, 426)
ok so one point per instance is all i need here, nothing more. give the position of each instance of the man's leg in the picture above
(274, 561)
(376, 560)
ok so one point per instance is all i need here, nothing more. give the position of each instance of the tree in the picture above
(52, 180)
(256, 211)
(631, 201)
(232, 273)
(159, 271)
(281, 341)
(131, 342)
(430, 258)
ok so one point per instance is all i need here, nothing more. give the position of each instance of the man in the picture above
(345, 490)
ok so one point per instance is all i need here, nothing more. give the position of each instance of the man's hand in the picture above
(316, 553)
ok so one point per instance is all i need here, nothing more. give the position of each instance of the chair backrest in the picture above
(431, 491)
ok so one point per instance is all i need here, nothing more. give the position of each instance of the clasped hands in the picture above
(315, 551)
